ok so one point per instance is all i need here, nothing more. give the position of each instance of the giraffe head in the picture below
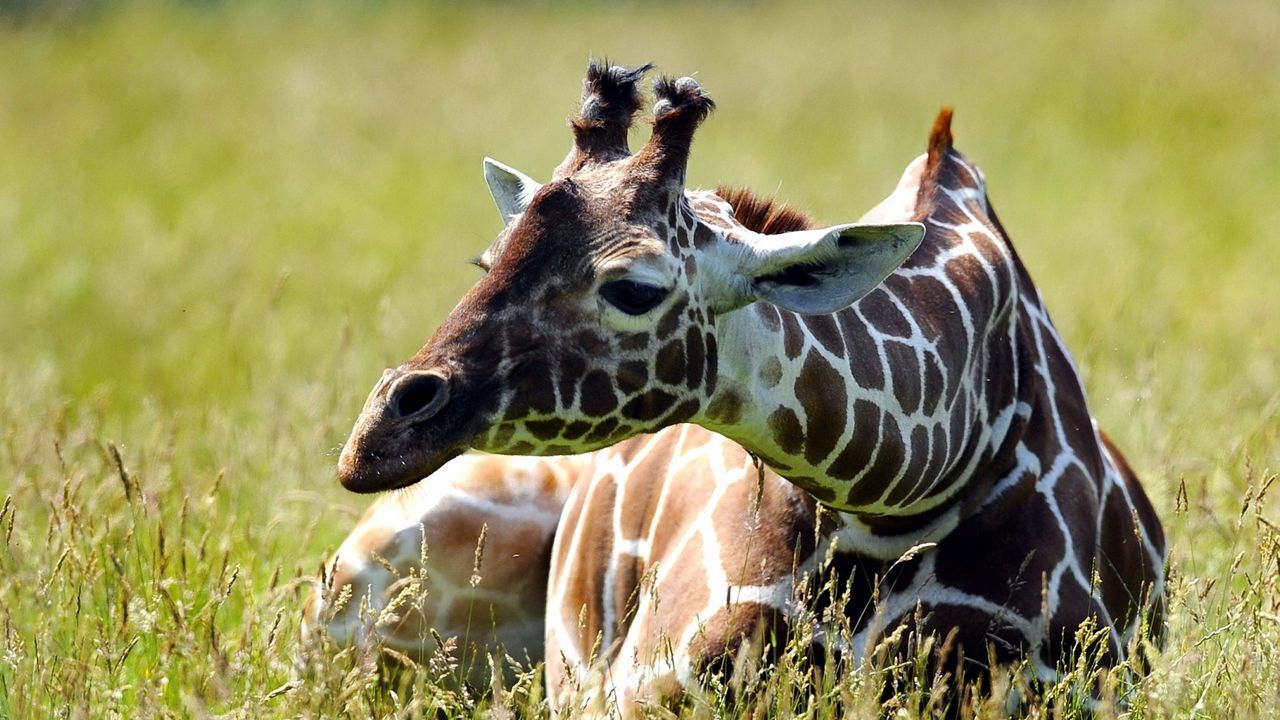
(596, 317)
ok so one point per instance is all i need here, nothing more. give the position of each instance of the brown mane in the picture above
(765, 215)
(939, 145)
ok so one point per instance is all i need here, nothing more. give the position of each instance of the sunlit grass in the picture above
(219, 223)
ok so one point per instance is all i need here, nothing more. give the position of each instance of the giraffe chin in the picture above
(365, 472)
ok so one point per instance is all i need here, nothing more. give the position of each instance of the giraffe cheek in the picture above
(695, 358)
(632, 376)
(597, 396)
(671, 363)
(532, 391)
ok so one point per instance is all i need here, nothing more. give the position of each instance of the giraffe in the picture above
(463, 556)
(901, 370)
(653, 649)
(677, 557)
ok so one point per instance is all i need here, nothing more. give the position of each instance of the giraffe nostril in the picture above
(417, 395)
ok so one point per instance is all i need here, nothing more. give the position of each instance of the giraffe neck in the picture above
(894, 406)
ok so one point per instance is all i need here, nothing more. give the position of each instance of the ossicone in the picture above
(610, 100)
(680, 107)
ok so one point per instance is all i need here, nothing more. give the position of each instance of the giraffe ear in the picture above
(511, 189)
(815, 272)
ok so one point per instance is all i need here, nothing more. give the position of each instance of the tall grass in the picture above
(219, 222)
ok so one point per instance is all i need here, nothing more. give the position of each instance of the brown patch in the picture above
(891, 456)
(792, 335)
(821, 393)
(584, 584)
(502, 434)
(865, 356)
(571, 369)
(822, 492)
(713, 363)
(683, 412)
(544, 429)
(906, 369)
(632, 375)
(964, 636)
(768, 315)
(640, 495)
(591, 343)
(649, 406)
(760, 548)
(938, 317)
(634, 342)
(1002, 557)
(934, 385)
(762, 214)
(1074, 606)
(702, 236)
(518, 337)
(690, 267)
(603, 430)
(670, 367)
(735, 630)
(785, 426)
(827, 331)
(598, 397)
(532, 391)
(914, 479)
(939, 455)
(575, 430)
(694, 357)
(770, 372)
(969, 277)
(521, 447)
(884, 315)
(1121, 566)
(1075, 493)
(669, 322)
(726, 409)
(858, 453)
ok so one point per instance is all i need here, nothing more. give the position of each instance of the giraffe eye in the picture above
(631, 297)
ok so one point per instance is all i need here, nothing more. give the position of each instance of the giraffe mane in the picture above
(940, 142)
(763, 214)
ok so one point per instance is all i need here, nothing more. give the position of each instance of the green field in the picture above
(219, 223)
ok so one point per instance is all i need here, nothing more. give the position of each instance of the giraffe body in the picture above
(676, 553)
(482, 603)
(496, 602)
(939, 407)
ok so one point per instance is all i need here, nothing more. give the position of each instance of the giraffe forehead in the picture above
(632, 250)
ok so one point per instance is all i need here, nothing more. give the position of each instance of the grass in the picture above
(218, 223)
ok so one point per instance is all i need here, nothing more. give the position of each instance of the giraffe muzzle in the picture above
(417, 396)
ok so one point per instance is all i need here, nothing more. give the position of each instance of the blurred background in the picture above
(220, 221)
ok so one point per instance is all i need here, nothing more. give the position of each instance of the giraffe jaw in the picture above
(366, 471)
